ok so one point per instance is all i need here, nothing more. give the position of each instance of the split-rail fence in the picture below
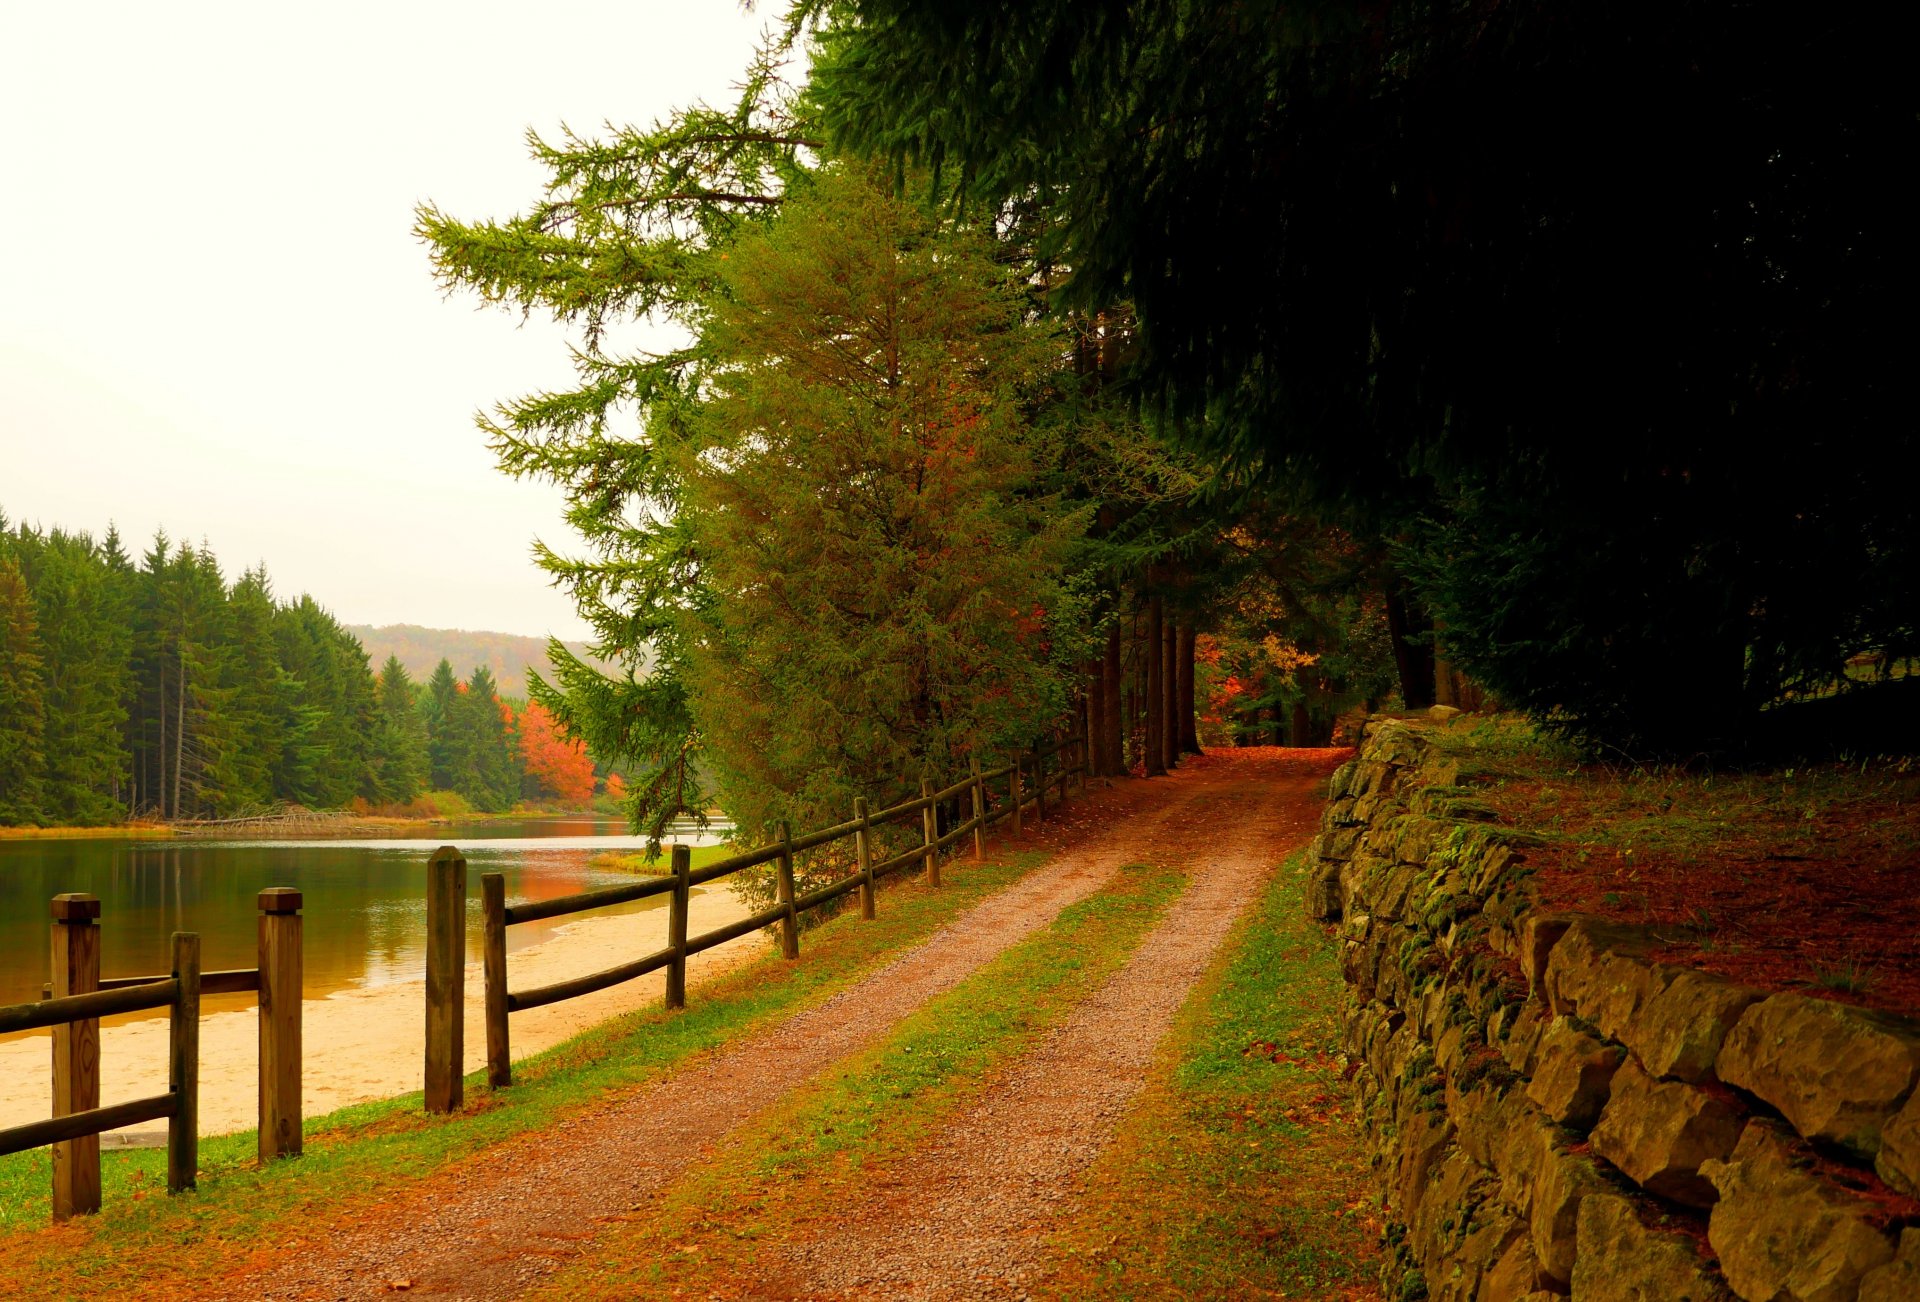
(73, 1003)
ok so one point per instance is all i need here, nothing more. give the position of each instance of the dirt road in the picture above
(496, 1226)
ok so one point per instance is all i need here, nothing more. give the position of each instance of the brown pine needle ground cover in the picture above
(1803, 878)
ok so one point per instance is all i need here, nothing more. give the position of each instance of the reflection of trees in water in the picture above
(365, 907)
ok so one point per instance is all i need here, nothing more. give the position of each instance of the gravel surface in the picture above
(970, 1212)
(496, 1225)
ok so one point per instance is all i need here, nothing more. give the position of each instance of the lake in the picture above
(365, 899)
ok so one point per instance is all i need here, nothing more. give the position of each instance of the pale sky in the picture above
(214, 318)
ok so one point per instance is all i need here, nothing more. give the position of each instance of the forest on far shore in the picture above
(156, 688)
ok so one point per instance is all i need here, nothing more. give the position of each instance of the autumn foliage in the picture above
(556, 765)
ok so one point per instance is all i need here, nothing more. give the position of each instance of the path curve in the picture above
(493, 1227)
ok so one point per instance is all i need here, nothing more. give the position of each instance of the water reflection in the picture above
(365, 902)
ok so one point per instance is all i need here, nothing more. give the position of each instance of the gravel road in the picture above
(969, 1216)
(495, 1226)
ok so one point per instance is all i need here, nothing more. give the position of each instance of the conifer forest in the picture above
(154, 687)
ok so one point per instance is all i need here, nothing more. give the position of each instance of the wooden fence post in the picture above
(677, 926)
(1039, 785)
(493, 965)
(280, 1049)
(790, 921)
(446, 977)
(864, 848)
(1013, 793)
(183, 1066)
(76, 1054)
(930, 829)
(979, 810)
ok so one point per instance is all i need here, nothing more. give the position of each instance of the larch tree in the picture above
(881, 566)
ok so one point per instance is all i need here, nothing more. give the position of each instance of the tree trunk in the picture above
(1302, 724)
(1170, 695)
(1156, 690)
(1189, 723)
(179, 723)
(160, 779)
(1409, 628)
(1112, 740)
(1094, 728)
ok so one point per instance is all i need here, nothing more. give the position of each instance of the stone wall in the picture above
(1550, 1111)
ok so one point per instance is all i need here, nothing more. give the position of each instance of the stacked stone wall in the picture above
(1551, 1111)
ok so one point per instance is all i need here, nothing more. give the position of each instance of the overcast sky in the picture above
(214, 318)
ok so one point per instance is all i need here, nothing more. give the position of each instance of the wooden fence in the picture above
(76, 999)
(73, 1003)
(1027, 783)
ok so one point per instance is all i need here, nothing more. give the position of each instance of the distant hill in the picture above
(506, 655)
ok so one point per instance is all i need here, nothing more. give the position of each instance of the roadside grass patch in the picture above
(1240, 1171)
(825, 1153)
(148, 1243)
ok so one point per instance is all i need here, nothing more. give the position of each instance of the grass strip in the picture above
(145, 1241)
(805, 1162)
(1239, 1173)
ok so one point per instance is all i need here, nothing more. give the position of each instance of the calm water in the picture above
(365, 900)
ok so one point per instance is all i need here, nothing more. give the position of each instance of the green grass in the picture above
(636, 861)
(145, 1241)
(1240, 1173)
(795, 1170)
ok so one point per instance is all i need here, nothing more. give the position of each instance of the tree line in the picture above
(1389, 361)
(157, 688)
(890, 510)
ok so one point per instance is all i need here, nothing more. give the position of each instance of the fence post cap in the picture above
(280, 899)
(446, 854)
(76, 907)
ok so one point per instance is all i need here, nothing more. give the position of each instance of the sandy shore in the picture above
(367, 1044)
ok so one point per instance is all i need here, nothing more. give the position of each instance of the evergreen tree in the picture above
(490, 773)
(83, 649)
(22, 702)
(447, 753)
(883, 570)
(399, 755)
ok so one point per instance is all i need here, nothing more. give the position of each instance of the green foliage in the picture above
(22, 700)
(400, 737)
(1615, 370)
(163, 690)
(631, 227)
(878, 565)
(470, 740)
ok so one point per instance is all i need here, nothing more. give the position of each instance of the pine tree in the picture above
(22, 701)
(399, 755)
(446, 752)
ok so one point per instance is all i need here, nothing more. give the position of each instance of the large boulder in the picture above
(1839, 1074)
(1899, 1279)
(1898, 1162)
(1621, 1260)
(1680, 1030)
(1659, 1132)
(1600, 971)
(1572, 1073)
(1561, 1182)
(1782, 1233)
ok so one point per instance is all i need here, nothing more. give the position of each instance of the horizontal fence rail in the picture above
(443, 1018)
(72, 1004)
